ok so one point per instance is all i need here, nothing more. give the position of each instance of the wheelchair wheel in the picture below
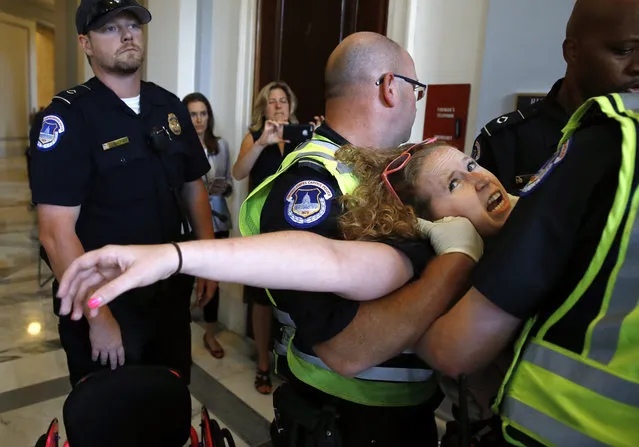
(208, 426)
(52, 436)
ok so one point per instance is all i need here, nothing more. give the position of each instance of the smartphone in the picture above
(297, 133)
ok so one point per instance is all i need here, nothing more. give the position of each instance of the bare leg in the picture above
(262, 316)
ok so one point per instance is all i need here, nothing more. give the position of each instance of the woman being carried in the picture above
(428, 180)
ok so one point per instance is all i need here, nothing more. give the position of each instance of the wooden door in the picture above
(296, 37)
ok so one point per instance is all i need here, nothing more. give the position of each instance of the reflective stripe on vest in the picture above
(591, 397)
(377, 373)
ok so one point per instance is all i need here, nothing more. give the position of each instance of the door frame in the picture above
(30, 26)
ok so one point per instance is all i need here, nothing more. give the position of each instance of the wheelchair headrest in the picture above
(131, 406)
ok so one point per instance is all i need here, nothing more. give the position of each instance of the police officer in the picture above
(117, 160)
(352, 383)
(575, 377)
(598, 54)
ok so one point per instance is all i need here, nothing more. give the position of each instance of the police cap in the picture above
(92, 14)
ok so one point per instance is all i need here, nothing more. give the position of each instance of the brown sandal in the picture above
(217, 353)
(262, 380)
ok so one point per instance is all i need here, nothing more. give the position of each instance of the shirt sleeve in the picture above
(532, 252)
(483, 152)
(197, 164)
(61, 159)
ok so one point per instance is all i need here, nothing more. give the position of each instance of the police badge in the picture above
(174, 124)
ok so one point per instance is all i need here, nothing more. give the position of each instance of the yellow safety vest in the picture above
(588, 398)
(408, 381)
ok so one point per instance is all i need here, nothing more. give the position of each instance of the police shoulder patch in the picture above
(50, 133)
(308, 203)
(546, 169)
(475, 152)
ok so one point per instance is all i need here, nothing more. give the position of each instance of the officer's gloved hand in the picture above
(453, 235)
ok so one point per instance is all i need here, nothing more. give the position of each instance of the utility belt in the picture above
(300, 423)
(400, 373)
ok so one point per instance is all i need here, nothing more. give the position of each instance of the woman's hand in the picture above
(272, 133)
(119, 268)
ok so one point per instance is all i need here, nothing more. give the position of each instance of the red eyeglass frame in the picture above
(408, 155)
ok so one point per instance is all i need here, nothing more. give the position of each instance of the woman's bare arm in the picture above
(355, 270)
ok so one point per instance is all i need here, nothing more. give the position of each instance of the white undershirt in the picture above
(133, 103)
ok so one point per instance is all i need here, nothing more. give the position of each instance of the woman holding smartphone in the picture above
(261, 153)
(219, 185)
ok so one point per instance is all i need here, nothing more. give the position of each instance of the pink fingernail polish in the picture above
(94, 302)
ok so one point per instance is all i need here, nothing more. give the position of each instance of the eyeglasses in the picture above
(400, 162)
(418, 88)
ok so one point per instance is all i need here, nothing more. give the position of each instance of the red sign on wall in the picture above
(447, 113)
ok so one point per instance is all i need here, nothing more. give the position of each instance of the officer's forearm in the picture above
(197, 201)
(384, 328)
(62, 247)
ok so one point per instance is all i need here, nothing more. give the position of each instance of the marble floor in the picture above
(33, 372)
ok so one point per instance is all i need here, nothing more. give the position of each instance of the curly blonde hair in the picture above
(372, 212)
(261, 100)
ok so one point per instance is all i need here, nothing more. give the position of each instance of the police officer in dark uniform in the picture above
(514, 146)
(352, 383)
(117, 161)
(565, 261)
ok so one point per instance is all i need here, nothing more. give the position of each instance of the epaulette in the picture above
(308, 163)
(71, 95)
(509, 119)
(167, 92)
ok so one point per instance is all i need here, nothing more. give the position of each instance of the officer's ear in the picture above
(85, 44)
(388, 90)
(569, 48)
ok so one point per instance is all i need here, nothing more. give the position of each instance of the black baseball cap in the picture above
(92, 14)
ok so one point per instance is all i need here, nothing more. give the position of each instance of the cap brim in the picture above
(141, 13)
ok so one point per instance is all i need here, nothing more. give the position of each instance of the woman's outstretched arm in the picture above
(293, 260)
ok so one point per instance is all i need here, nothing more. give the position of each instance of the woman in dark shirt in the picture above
(261, 153)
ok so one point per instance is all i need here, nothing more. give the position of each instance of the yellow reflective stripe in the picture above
(576, 407)
(519, 344)
(583, 372)
(620, 299)
(377, 394)
(542, 428)
(612, 225)
(376, 373)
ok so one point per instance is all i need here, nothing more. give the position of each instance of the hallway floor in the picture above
(33, 372)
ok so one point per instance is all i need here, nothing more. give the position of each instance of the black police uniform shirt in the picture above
(550, 238)
(514, 146)
(306, 197)
(93, 151)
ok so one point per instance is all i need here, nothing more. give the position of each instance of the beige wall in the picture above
(45, 62)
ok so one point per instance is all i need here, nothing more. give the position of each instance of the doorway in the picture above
(294, 40)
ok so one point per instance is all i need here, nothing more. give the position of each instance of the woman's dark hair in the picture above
(210, 139)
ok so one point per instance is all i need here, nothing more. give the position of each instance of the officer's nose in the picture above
(127, 35)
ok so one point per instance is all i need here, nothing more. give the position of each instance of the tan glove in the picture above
(453, 235)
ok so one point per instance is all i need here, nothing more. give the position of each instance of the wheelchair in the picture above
(133, 406)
